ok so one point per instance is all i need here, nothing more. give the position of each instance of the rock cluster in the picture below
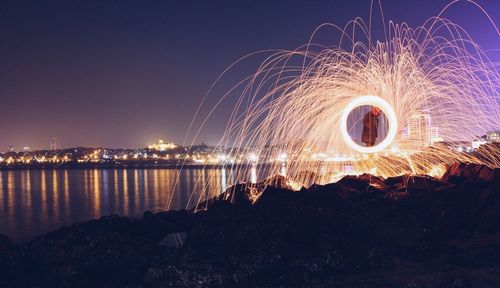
(407, 231)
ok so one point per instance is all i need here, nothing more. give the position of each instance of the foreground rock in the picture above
(408, 231)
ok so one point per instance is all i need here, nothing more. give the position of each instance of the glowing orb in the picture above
(388, 111)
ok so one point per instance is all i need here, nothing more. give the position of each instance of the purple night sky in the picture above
(126, 73)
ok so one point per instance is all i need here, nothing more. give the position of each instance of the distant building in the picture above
(404, 133)
(55, 144)
(162, 146)
(26, 148)
(493, 136)
(435, 135)
(478, 142)
(11, 148)
(459, 146)
(419, 131)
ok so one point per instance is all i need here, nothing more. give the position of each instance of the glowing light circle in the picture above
(389, 113)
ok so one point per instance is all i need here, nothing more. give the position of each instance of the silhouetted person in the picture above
(370, 127)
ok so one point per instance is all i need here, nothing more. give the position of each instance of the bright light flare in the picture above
(282, 157)
(252, 157)
(389, 113)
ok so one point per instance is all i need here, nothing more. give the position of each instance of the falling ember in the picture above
(298, 101)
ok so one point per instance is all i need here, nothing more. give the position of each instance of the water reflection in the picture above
(223, 180)
(253, 173)
(283, 169)
(38, 201)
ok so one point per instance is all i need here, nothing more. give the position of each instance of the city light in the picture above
(252, 157)
(162, 146)
(282, 157)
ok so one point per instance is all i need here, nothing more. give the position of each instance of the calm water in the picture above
(38, 201)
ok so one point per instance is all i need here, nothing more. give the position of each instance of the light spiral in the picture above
(295, 104)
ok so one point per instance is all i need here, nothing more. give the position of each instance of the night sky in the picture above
(126, 73)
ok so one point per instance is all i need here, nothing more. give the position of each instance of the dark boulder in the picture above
(472, 171)
(363, 231)
(414, 183)
(239, 194)
(362, 183)
(8, 250)
(111, 251)
(6, 244)
(163, 223)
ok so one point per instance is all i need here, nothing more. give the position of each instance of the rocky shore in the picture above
(407, 231)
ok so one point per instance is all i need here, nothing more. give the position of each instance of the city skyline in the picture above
(69, 70)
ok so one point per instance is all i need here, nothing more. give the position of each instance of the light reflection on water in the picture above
(33, 202)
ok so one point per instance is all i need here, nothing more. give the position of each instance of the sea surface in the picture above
(33, 202)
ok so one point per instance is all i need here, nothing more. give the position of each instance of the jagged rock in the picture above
(278, 181)
(174, 240)
(247, 193)
(7, 249)
(306, 177)
(5, 243)
(167, 222)
(472, 172)
(363, 231)
(239, 194)
(363, 183)
(112, 251)
(415, 183)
